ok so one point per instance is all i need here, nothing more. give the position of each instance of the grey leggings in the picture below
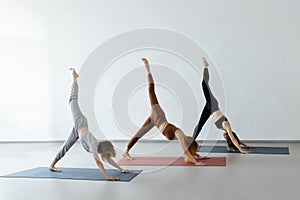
(79, 121)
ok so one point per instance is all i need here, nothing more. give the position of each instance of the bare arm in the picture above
(102, 169)
(245, 145)
(227, 127)
(180, 136)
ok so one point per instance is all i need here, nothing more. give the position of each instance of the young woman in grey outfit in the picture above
(87, 139)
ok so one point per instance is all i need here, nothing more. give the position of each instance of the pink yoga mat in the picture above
(170, 161)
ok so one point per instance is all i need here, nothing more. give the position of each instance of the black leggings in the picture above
(211, 104)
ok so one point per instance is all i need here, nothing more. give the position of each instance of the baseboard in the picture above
(159, 141)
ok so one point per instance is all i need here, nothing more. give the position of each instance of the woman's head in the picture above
(106, 149)
(191, 144)
(229, 142)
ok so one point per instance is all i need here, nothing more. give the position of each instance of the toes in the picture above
(54, 169)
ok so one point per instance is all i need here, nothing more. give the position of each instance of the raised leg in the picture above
(151, 89)
(210, 99)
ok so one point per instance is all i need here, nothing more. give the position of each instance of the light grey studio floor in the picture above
(245, 177)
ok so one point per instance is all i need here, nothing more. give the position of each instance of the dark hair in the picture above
(191, 144)
(106, 149)
(229, 142)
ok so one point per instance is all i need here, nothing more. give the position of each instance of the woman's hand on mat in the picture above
(245, 151)
(112, 178)
(126, 171)
(200, 164)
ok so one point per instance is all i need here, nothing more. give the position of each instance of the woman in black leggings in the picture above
(211, 108)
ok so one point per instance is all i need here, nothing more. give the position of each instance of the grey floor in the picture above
(245, 176)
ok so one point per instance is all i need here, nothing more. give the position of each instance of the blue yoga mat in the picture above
(91, 174)
(255, 150)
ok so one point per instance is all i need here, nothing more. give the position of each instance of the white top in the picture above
(89, 142)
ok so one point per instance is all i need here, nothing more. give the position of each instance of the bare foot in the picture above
(127, 156)
(54, 169)
(245, 151)
(74, 73)
(205, 63)
(145, 61)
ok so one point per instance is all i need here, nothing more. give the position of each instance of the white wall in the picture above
(253, 45)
